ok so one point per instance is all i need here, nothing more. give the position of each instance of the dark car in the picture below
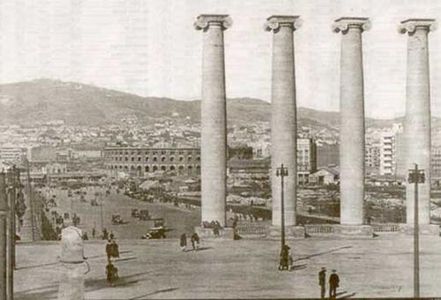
(155, 233)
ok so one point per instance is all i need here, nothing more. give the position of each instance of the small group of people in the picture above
(112, 251)
(195, 240)
(334, 282)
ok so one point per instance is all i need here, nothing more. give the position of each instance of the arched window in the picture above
(172, 168)
(147, 169)
(163, 168)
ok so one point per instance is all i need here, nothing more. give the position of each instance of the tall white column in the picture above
(417, 121)
(213, 118)
(352, 130)
(283, 116)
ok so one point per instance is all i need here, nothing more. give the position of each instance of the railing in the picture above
(386, 227)
(252, 229)
(312, 229)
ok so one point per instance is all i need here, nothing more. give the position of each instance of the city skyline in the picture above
(117, 44)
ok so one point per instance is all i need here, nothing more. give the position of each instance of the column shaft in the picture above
(283, 125)
(417, 122)
(352, 130)
(213, 126)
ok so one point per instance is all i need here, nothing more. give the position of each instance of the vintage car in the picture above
(116, 219)
(155, 233)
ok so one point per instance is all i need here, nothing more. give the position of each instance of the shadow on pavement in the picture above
(197, 250)
(154, 293)
(55, 263)
(50, 291)
(298, 267)
(322, 253)
(344, 295)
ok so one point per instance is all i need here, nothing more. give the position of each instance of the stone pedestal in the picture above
(283, 116)
(424, 229)
(354, 231)
(207, 233)
(213, 118)
(291, 232)
(352, 131)
(417, 125)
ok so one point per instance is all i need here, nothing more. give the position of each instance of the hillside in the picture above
(42, 100)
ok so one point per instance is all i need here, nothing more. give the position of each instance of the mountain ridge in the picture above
(42, 100)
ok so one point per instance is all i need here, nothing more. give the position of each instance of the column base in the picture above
(291, 232)
(353, 230)
(208, 233)
(424, 229)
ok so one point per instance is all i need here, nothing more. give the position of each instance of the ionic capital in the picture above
(343, 24)
(203, 22)
(274, 23)
(411, 25)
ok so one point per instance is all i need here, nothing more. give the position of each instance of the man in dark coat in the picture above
(322, 282)
(334, 281)
(183, 243)
(109, 250)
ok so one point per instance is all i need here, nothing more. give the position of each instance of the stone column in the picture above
(352, 131)
(417, 121)
(283, 116)
(213, 118)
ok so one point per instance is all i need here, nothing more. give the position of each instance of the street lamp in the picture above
(416, 176)
(282, 172)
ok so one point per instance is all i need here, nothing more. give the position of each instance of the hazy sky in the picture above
(150, 48)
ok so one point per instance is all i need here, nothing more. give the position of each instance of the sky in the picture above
(150, 48)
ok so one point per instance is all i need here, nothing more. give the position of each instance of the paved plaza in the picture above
(152, 269)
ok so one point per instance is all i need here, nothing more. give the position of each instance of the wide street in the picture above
(178, 219)
(379, 267)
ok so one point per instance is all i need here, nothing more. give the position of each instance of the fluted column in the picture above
(213, 118)
(352, 130)
(283, 116)
(417, 121)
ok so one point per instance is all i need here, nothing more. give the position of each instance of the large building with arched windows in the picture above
(138, 161)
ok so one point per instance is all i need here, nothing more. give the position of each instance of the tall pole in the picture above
(31, 200)
(11, 228)
(416, 252)
(416, 177)
(282, 210)
(3, 236)
(282, 172)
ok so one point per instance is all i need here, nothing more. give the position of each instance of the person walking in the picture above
(183, 242)
(109, 250)
(322, 282)
(334, 281)
(195, 241)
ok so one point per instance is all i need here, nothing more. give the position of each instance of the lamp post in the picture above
(416, 176)
(282, 172)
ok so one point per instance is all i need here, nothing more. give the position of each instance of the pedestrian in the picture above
(195, 241)
(183, 242)
(334, 281)
(114, 249)
(112, 236)
(112, 273)
(109, 250)
(284, 257)
(105, 234)
(322, 282)
(93, 232)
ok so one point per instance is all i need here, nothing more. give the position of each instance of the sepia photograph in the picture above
(220, 149)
